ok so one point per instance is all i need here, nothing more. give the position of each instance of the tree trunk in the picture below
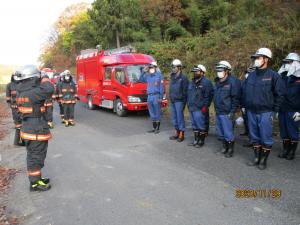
(118, 39)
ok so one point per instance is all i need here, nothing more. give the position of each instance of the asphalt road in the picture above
(108, 171)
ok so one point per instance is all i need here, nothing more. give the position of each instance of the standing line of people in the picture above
(263, 96)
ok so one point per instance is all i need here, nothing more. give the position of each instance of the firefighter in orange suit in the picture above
(68, 96)
(32, 92)
(11, 94)
(49, 106)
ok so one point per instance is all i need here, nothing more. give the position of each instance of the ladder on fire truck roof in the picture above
(125, 49)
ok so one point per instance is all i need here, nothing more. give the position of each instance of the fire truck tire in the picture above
(119, 108)
(90, 104)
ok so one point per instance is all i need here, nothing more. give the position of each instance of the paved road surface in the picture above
(108, 171)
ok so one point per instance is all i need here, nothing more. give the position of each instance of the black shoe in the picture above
(180, 136)
(175, 137)
(230, 151)
(40, 186)
(154, 127)
(201, 139)
(285, 148)
(257, 155)
(264, 157)
(46, 180)
(156, 131)
(224, 149)
(195, 141)
(292, 149)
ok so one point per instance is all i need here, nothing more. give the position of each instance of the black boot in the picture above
(175, 137)
(224, 149)
(230, 151)
(195, 141)
(180, 136)
(257, 155)
(285, 148)
(201, 139)
(292, 150)
(157, 128)
(39, 186)
(154, 127)
(264, 157)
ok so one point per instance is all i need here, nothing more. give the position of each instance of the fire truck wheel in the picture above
(119, 108)
(90, 104)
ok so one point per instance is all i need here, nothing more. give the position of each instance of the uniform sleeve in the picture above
(42, 92)
(235, 96)
(278, 92)
(162, 88)
(143, 78)
(8, 94)
(185, 86)
(211, 92)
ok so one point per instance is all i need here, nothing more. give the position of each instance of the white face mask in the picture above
(292, 68)
(221, 74)
(282, 69)
(152, 70)
(67, 77)
(246, 75)
(258, 63)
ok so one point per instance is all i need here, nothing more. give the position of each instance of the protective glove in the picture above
(274, 116)
(296, 116)
(231, 116)
(243, 110)
(204, 109)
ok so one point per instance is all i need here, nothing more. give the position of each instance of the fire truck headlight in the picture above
(133, 99)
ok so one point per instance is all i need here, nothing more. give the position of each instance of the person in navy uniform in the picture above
(155, 91)
(244, 110)
(198, 102)
(226, 101)
(263, 97)
(289, 115)
(178, 97)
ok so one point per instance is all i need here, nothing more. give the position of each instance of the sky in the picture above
(24, 27)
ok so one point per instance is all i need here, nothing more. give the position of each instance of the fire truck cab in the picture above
(111, 79)
(50, 72)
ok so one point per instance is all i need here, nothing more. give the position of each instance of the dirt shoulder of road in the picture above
(9, 167)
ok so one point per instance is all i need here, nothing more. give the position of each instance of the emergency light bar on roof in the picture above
(88, 51)
(125, 49)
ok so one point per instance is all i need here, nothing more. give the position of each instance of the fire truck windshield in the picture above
(135, 72)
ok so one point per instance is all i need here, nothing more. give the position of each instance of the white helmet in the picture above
(263, 52)
(27, 72)
(67, 72)
(176, 62)
(153, 64)
(199, 68)
(223, 65)
(202, 68)
(292, 57)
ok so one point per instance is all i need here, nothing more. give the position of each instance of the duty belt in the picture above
(151, 94)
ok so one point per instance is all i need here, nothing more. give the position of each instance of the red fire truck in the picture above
(50, 72)
(110, 79)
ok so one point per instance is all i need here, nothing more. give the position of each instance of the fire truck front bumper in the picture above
(142, 106)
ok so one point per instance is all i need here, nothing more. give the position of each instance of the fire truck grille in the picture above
(142, 97)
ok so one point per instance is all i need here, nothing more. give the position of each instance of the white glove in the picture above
(296, 116)
(243, 110)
